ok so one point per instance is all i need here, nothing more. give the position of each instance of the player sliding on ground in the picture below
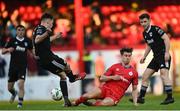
(115, 80)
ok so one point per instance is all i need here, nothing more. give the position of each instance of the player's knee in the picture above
(9, 88)
(63, 78)
(163, 77)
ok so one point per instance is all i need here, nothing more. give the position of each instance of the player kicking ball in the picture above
(115, 80)
(42, 37)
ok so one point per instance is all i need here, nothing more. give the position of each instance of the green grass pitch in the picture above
(152, 103)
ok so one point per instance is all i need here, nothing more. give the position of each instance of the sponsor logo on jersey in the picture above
(150, 34)
(117, 69)
(150, 41)
(130, 73)
(22, 76)
(18, 48)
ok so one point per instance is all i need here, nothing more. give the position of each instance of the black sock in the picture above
(70, 75)
(20, 100)
(12, 91)
(64, 89)
(142, 91)
(168, 90)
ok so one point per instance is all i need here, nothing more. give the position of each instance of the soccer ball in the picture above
(56, 94)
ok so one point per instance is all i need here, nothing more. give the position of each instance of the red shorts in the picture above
(111, 93)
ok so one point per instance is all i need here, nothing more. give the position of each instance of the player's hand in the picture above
(11, 49)
(166, 56)
(49, 31)
(59, 35)
(123, 79)
(142, 60)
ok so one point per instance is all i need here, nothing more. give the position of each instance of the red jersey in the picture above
(128, 73)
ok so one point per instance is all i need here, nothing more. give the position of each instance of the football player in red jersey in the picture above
(115, 80)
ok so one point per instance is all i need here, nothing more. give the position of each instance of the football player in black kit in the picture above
(42, 38)
(18, 47)
(157, 41)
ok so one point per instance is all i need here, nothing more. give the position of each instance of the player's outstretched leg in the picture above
(105, 102)
(13, 96)
(95, 93)
(12, 91)
(80, 100)
(64, 89)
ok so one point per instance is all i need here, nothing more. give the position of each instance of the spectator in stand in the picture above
(99, 68)
(88, 36)
(87, 61)
(169, 30)
(73, 64)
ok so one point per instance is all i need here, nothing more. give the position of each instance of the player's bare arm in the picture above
(147, 50)
(55, 36)
(134, 94)
(105, 78)
(167, 45)
(7, 50)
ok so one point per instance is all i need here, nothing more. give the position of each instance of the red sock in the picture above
(80, 100)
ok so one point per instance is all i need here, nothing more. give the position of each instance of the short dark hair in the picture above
(126, 49)
(20, 26)
(46, 16)
(144, 15)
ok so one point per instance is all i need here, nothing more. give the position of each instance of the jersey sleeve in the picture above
(40, 30)
(135, 78)
(109, 71)
(159, 31)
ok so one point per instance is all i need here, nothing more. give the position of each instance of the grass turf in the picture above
(152, 103)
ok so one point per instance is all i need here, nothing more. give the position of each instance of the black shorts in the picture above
(56, 66)
(159, 63)
(16, 73)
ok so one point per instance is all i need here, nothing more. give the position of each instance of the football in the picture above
(56, 94)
